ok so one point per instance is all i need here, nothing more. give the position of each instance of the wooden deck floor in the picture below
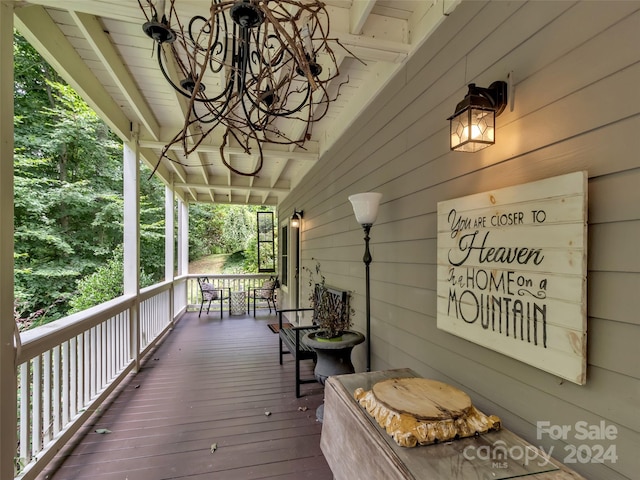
(210, 381)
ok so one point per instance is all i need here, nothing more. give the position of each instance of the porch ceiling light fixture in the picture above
(472, 126)
(296, 218)
(242, 64)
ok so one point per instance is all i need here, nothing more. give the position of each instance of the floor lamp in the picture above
(365, 207)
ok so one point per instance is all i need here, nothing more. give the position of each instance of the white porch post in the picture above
(183, 238)
(183, 246)
(169, 243)
(131, 186)
(169, 240)
(8, 381)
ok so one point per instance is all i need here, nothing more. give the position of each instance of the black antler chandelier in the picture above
(244, 65)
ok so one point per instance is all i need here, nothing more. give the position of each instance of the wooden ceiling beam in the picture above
(358, 13)
(35, 24)
(224, 186)
(266, 153)
(108, 55)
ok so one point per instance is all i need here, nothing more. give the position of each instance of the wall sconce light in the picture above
(472, 126)
(365, 208)
(295, 218)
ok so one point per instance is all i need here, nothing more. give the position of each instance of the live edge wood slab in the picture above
(420, 411)
(356, 446)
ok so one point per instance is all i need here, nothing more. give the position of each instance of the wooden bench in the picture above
(290, 338)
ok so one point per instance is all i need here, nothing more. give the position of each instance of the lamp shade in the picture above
(365, 207)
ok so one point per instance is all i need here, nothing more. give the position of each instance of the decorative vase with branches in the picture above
(331, 315)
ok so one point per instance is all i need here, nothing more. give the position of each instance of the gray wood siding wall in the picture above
(576, 68)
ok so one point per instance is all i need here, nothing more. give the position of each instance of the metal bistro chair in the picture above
(209, 293)
(266, 293)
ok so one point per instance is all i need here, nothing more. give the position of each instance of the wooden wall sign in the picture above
(512, 272)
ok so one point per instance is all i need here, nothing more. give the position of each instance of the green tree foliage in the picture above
(205, 230)
(239, 227)
(69, 204)
(152, 226)
(225, 229)
(103, 285)
(100, 286)
(64, 176)
(68, 193)
(250, 263)
(219, 229)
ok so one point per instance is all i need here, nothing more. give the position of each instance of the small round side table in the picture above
(334, 357)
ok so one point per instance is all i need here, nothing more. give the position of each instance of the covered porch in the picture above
(209, 381)
(573, 107)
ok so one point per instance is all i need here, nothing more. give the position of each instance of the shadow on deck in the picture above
(211, 381)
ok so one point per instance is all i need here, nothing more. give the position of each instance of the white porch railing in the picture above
(236, 283)
(67, 368)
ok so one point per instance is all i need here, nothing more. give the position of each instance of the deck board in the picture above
(210, 381)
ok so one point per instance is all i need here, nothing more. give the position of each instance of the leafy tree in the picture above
(251, 256)
(69, 203)
(105, 284)
(205, 230)
(152, 227)
(58, 159)
(225, 229)
(219, 228)
(68, 193)
(239, 226)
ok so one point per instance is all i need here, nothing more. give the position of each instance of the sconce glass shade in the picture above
(472, 126)
(365, 207)
(473, 129)
(295, 219)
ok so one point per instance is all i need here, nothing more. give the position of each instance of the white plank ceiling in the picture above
(99, 47)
